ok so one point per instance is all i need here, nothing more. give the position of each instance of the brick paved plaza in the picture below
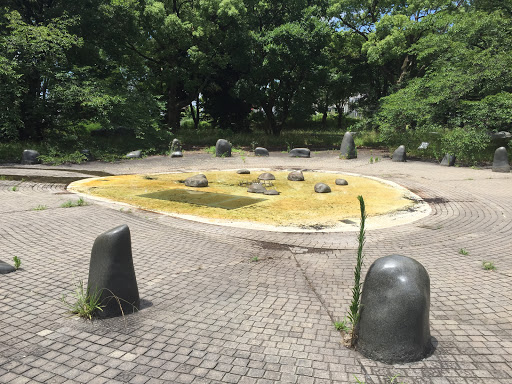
(210, 315)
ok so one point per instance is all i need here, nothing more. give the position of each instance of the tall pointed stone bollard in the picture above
(394, 317)
(399, 155)
(111, 272)
(500, 162)
(348, 147)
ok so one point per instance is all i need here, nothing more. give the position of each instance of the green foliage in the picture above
(342, 325)
(85, 303)
(254, 259)
(15, 188)
(353, 315)
(463, 251)
(466, 144)
(40, 208)
(70, 203)
(17, 262)
(488, 266)
(56, 158)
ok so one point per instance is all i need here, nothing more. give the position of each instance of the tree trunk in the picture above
(339, 123)
(173, 112)
(324, 119)
(195, 114)
(274, 128)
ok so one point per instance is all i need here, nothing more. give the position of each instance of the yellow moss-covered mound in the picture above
(225, 199)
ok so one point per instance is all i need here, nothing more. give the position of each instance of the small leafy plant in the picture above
(488, 265)
(40, 208)
(254, 259)
(85, 303)
(342, 325)
(15, 188)
(463, 251)
(70, 203)
(371, 160)
(17, 262)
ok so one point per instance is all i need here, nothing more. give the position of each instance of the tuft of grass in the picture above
(40, 208)
(488, 266)
(391, 380)
(353, 316)
(342, 325)
(210, 150)
(254, 259)
(17, 262)
(70, 203)
(463, 251)
(85, 303)
(15, 188)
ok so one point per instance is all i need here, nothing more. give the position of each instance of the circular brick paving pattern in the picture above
(210, 314)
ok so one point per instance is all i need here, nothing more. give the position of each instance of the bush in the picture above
(469, 145)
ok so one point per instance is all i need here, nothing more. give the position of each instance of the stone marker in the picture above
(111, 272)
(322, 188)
(341, 182)
(223, 148)
(296, 176)
(448, 160)
(243, 172)
(399, 154)
(348, 147)
(394, 317)
(500, 163)
(266, 176)
(30, 157)
(198, 181)
(256, 188)
(300, 152)
(134, 155)
(271, 192)
(88, 155)
(260, 151)
(176, 148)
(6, 268)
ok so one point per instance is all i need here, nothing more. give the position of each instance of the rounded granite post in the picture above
(223, 148)
(500, 162)
(348, 147)
(111, 272)
(394, 317)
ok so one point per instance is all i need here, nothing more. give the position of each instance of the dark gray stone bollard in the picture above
(30, 157)
(296, 176)
(223, 148)
(399, 154)
(348, 147)
(260, 151)
(6, 268)
(176, 149)
(111, 272)
(300, 152)
(500, 163)
(394, 317)
(448, 160)
(198, 181)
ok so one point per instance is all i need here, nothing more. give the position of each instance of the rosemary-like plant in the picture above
(353, 316)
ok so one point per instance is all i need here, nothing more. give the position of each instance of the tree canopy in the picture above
(417, 65)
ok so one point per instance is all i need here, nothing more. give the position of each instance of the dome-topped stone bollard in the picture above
(111, 273)
(500, 162)
(394, 317)
(223, 148)
(348, 147)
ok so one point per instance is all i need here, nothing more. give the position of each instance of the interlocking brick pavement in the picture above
(211, 315)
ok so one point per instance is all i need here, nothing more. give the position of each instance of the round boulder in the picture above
(30, 157)
(197, 181)
(243, 172)
(322, 188)
(271, 192)
(394, 318)
(260, 151)
(223, 148)
(341, 182)
(500, 163)
(296, 176)
(266, 176)
(300, 152)
(399, 154)
(256, 188)
(134, 155)
(348, 147)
